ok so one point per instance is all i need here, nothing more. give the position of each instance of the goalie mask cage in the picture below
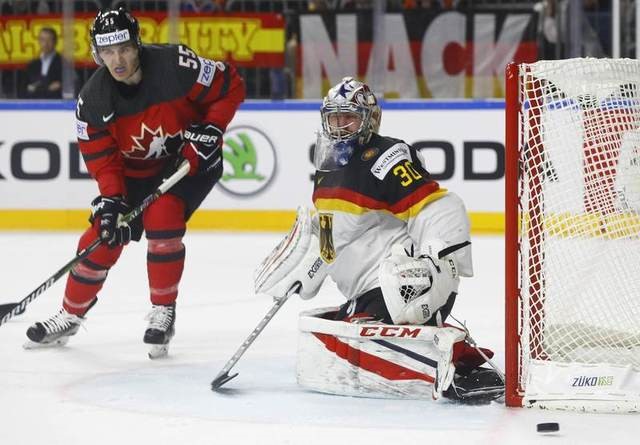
(573, 235)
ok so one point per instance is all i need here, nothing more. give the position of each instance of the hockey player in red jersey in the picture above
(145, 110)
(396, 244)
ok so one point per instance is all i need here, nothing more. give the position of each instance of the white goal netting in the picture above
(579, 227)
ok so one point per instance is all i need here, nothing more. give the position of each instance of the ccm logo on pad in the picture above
(389, 331)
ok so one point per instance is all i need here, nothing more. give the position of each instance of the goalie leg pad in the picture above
(445, 340)
(373, 359)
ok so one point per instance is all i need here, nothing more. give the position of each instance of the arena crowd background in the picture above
(405, 49)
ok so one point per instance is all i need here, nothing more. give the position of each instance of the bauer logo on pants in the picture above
(249, 161)
(327, 249)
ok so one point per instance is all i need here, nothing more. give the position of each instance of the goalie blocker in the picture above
(296, 259)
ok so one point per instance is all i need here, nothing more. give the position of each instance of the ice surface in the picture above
(102, 389)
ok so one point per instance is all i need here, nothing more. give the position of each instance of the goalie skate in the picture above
(161, 330)
(479, 386)
(53, 332)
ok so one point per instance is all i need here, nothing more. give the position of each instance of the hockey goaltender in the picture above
(396, 245)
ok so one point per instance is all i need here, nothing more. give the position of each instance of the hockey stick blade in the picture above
(223, 376)
(221, 380)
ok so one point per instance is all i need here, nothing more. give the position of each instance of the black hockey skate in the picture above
(53, 332)
(480, 386)
(160, 330)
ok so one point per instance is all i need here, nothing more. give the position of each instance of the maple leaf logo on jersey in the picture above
(154, 144)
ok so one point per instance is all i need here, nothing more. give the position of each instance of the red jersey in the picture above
(135, 130)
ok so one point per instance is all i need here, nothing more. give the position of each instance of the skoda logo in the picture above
(249, 161)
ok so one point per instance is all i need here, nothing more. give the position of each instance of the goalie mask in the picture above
(350, 114)
(113, 27)
(331, 155)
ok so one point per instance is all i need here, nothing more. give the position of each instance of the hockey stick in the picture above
(223, 376)
(474, 345)
(8, 310)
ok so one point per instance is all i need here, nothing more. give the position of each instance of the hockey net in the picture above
(573, 234)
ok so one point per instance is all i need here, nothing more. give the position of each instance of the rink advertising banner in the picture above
(415, 53)
(245, 39)
(268, 169)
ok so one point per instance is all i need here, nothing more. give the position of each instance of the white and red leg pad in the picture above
(373, 359)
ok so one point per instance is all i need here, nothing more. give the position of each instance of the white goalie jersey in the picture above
(384, 197)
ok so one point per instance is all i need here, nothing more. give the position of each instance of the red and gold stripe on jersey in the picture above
(349, 201)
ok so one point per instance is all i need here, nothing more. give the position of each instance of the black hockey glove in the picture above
(110, 210)
(203, 148)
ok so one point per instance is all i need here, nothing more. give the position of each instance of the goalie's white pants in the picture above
(373, 360)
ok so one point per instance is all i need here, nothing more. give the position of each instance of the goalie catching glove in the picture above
(203, 148)
(295, 260)
(414, 288)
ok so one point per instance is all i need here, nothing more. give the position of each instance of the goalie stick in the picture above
(8, 310)
(223, 376)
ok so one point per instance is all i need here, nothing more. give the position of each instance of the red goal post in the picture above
(572, 259)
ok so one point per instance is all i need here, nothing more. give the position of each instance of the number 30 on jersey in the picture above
(407, 173)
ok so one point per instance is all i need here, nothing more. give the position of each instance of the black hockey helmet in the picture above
(111, 27)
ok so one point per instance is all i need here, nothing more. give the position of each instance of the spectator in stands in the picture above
(547, 29)
(575, 33)
(43, 76)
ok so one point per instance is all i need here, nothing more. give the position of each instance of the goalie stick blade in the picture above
(221, 380)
